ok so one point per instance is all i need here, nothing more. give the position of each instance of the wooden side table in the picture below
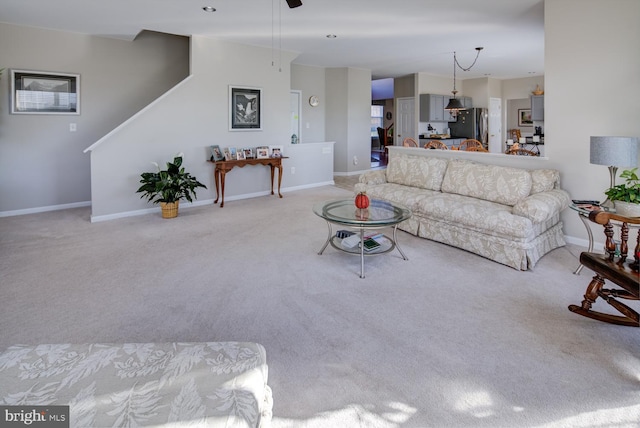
(222, 167)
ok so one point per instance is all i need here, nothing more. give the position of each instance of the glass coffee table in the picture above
(379, 215)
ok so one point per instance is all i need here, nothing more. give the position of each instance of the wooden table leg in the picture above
(272, 168)
(222, 177)
(216, 175)
(279, 180)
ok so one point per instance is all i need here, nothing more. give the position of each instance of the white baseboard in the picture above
(347, 174)
(186, 205)
(156, 209)
(45, 209)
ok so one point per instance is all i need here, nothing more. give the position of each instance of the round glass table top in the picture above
(379, 213)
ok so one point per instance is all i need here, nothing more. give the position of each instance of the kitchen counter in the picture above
(453, 137)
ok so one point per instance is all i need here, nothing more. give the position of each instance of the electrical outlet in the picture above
(72, 127)
(293, 170)
(355, 160)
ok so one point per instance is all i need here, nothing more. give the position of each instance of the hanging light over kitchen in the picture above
(455, 105)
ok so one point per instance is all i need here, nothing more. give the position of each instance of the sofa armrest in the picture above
(542, 206)
(378, 176)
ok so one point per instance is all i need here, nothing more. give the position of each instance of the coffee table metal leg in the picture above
(328, 239)
(395, 240)
(361, 253)
(590, 234)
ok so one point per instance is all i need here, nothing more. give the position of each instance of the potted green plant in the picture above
(168, 186)
(626, 196)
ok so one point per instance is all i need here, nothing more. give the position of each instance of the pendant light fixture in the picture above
(455, 105)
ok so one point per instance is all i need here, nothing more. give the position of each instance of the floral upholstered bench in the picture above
(209, 384)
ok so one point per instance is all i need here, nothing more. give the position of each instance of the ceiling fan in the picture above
(294, 3)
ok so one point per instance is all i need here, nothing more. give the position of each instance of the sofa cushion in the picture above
(542, 206)
(477, 215)
(500, 184)
(409, 197)
(544, 180)
(416, 171)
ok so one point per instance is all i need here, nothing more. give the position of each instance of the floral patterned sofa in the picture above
(509, 215)
(208, 384)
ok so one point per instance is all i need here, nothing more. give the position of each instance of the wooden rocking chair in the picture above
(613, 267)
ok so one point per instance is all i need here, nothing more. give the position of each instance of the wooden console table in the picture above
(222, 167)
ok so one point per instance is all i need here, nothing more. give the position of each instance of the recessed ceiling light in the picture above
(331, 36)
(209, 9)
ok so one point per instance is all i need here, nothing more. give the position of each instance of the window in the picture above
(377, 113)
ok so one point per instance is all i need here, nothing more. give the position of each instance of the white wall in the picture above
(311, 81)
(348, 118)
(190, 118)
(592, 64)
(430, 84)
(42, 164)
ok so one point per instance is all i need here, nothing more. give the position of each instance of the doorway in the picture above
(406, 120)
(495, 125)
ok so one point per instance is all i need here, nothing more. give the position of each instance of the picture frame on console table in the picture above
(262, 152)
(216, 153)
(275, 151)
(43, 92)
(245, 108)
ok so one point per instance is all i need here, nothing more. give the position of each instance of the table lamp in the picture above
(614, 152)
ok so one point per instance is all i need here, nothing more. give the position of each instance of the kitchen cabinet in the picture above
(432, 108)
(467, 102)
(537, 108)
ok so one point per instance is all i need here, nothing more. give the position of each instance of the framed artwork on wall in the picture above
(524, 117)
(37, 92)
(245, 108)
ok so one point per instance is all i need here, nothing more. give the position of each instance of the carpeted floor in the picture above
(445, 339)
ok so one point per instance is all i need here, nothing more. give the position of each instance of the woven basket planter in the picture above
(169, 209)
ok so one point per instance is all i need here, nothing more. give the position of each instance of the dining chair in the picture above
(522, 152)
(465, 144)
(409, 142)
(434, 144)
(477, 149)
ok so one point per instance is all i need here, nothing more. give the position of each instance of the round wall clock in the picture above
(389, 115)
(313, 101)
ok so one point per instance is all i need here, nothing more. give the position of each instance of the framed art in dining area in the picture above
(245, 108)
(38, 92)
(524, 117)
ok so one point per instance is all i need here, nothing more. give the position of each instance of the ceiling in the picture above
(389, 37)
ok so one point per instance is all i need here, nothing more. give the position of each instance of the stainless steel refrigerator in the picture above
(471, 123)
